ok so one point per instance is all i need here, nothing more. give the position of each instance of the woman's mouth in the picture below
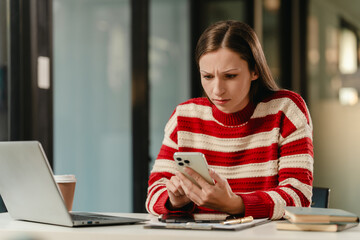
(221, 101)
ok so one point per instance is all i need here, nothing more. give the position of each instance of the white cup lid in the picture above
(65, 178)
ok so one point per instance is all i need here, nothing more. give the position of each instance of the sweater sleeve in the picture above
(164, 168)
(295, 165)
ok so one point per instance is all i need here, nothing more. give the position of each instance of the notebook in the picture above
(30, 192)
(319, 215)
(320, 227)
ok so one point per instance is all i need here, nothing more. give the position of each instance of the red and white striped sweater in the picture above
(264, 151)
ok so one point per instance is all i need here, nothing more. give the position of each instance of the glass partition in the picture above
(225, 10)
(169, 62)
(271, 36)
(333, 98)
(92, 101)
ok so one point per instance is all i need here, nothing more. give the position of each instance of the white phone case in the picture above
(194, 160)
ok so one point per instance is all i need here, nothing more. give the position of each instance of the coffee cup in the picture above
(66, 184)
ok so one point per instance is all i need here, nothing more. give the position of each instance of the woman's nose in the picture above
(218, 88)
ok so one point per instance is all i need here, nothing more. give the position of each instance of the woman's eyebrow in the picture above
(231, 70)
(203, 71)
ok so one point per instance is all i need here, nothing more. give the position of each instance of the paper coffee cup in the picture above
(66, 184)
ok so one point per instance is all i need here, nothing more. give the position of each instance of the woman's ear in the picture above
(254, 74)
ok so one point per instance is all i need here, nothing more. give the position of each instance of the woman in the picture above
(257, 139)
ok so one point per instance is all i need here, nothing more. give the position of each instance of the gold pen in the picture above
(239, 220)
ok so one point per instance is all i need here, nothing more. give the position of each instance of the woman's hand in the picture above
(219, 197)
(176, 194)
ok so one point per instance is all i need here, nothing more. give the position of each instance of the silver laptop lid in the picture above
(27, 185)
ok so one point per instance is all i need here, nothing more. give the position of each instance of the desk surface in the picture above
(11, 230)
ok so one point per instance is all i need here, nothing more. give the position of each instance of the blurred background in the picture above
(95, 81)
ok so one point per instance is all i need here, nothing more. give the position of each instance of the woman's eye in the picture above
(230, 76)
(207, 76)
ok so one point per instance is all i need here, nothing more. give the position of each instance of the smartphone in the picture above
(181, 217)
(176, 218)
(195, 161)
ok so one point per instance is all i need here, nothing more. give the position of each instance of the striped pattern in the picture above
(265, 152)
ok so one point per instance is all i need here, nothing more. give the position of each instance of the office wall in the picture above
(336, 126)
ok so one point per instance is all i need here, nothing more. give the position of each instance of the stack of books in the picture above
(317, 219)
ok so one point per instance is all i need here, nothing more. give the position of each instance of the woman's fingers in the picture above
(197, 177)
(177, 196)
(218, 179)
(174, 186)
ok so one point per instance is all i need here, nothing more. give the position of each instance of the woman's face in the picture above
(226, 79)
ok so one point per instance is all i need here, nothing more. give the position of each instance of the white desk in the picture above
(13, 230)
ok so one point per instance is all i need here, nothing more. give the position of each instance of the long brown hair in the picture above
(240, 38)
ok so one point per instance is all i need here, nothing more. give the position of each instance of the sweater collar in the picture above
(233, 119)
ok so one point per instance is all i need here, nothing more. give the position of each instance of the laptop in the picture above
(30, 193)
